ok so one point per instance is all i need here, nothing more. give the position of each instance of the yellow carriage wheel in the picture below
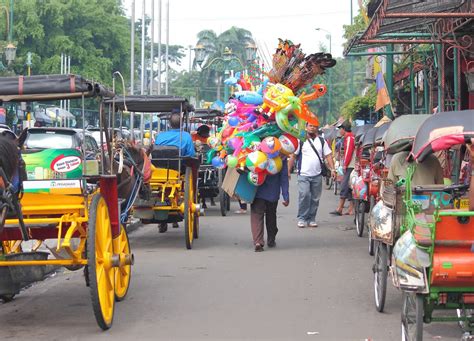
(99, 252)
(122, 273)
(188, 205)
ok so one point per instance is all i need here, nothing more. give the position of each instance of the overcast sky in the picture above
(268, 20)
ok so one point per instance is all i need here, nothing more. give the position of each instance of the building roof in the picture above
(437, 19)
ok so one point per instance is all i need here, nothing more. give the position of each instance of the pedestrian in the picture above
(310, 157)
(348, 162)
(242, 209)
(264, 207)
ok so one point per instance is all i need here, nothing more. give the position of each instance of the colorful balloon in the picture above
(235, 143)
(218, 162)
(295, 128)
(274, 165)
(271, 146)
(214, 142)
(233, 121)
(276, 97)
(289, 144)
(249, 97)
(256, 179)
(232, 161)
(256, 161)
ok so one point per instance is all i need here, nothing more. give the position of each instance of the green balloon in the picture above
(232, 161)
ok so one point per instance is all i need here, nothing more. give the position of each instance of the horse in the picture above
(10, 178)
(8, 160)
(133, 169)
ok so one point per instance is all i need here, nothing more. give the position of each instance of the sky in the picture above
(296, 20)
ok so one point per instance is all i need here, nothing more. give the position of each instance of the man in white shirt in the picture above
(310, 183)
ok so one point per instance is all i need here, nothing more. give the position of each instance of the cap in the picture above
(346, 125)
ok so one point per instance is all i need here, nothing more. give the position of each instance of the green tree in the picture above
(340, 87)
(359, 106)
(236, 39)
(94, 33)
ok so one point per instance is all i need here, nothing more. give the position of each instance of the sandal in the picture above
(336, 213)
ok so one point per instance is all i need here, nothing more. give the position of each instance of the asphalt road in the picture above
(315, 285)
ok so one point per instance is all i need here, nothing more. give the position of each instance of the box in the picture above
(244, 190)
(230, 181)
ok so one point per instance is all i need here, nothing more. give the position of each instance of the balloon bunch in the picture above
(295, 70)
(264, 125)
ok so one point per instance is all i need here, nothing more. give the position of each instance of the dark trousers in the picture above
(346, 190)
(259, 210)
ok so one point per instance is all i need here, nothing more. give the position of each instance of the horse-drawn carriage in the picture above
(63, 206)
(210, 177)
(170, 195)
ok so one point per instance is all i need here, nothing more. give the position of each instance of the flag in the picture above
(382, 94)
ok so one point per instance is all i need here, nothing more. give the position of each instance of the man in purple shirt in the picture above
(265, 206)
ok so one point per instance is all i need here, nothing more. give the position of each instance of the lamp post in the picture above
(329, 37)
(10, 48)
(228, 61)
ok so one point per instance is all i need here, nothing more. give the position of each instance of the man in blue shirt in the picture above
(177, 138)
(265, 206)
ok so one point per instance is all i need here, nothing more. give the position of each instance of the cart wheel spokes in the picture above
(371, 242)
(360, 217)
(380, 275)
(101, 272)
(188, 212)
(123, 272)
(412, 317)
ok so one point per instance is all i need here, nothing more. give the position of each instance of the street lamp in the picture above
(10, 49)
(227, 62)
(328, 36)
(200, 53)
(10, 53)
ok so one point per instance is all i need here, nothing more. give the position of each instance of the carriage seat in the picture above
(165, 157)
(168, 157)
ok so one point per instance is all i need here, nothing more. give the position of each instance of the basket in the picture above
(27, 273)
(393, 196)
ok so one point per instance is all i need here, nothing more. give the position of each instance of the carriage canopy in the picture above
(49, 87)
(151, 104)
(441, 131)
(381, 130)
(359, 131)
(402, 131)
